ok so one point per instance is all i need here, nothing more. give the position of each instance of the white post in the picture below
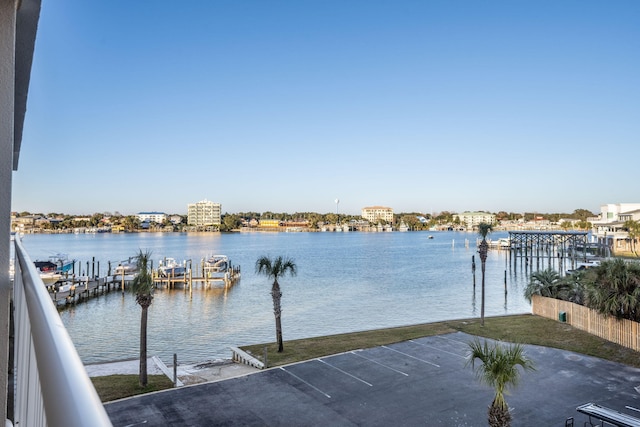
(7, 114)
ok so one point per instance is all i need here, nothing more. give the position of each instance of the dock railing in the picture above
(52, 387)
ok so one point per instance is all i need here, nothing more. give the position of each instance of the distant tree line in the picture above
(233, 221)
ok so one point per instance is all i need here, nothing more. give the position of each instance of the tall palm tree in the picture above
(274, 269)
(499, 369)
(142, 287)
(483, 230)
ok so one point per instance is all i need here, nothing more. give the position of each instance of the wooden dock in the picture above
(206, 278)
(74, 289)
(79, 288)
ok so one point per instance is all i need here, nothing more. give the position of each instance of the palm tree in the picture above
(483, 230)
(142, 287)
(613, 288)
(274, 269)
(633, 230)
(499, 369)
(548, 283)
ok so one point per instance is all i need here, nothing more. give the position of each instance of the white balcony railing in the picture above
(52, 387)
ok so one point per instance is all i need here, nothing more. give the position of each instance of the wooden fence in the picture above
(623, 332)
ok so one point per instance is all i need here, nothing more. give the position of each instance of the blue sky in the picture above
(287, 105)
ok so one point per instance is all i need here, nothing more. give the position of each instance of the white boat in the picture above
(50, 277)
(171, 268)
(59, 263)
(582, 266)
(216, 266)
(126, 267)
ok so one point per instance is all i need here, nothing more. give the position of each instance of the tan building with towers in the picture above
(376, 214)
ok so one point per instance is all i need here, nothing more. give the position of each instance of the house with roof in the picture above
(608, 227)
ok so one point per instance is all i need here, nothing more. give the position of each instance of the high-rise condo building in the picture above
(204, 213)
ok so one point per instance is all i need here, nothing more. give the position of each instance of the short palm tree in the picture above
(499, 369)
(545, 283)
(483, 230)
(613, 288)
(142, 287)
(273, 269)
(548, 283)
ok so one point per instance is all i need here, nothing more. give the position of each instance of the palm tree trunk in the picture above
(143, 347)
(483, 258)
(499, 415)
(276, 294)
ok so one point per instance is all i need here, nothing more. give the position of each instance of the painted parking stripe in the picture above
(345, 372)
(378, 363)
(413, 357)
(437, 348)
(307, 383)
(457, 341)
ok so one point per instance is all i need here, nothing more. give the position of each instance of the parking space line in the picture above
(345, 372)
(307, 383)
(378, 363)
(413, 357)
(451, 339)
(439, 349)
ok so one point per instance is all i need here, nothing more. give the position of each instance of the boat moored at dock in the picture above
(127, 267)
(59, 263)
(216, 266)
(169, 267)
(50, 277)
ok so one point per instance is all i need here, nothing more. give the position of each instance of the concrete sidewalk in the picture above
(187, 374)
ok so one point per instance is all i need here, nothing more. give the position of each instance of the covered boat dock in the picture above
(551, 246)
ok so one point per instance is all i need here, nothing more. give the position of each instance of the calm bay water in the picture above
(346, 282)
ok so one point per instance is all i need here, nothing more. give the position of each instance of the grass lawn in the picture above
(525, 329)
(113, 387)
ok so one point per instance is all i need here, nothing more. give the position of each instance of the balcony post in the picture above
(7, 103)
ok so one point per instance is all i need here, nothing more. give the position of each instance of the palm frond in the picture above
(499, 367)
(142, 284)
(484, 229)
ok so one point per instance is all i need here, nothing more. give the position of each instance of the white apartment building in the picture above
(608, 227)
(617, 212)
(377, 213)
(473, 219)
(204, 213)
(157, 217)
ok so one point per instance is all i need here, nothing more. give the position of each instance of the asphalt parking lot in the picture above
(413, 383)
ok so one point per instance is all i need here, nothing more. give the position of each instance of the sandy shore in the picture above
(213, 370)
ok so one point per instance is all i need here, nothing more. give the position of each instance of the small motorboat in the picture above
(50, 278)
(582, 266)
(169, 267)
(216, 265)
(60, 263)
(126, 267)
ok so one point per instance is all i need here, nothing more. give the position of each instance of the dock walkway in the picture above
(74, 289)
